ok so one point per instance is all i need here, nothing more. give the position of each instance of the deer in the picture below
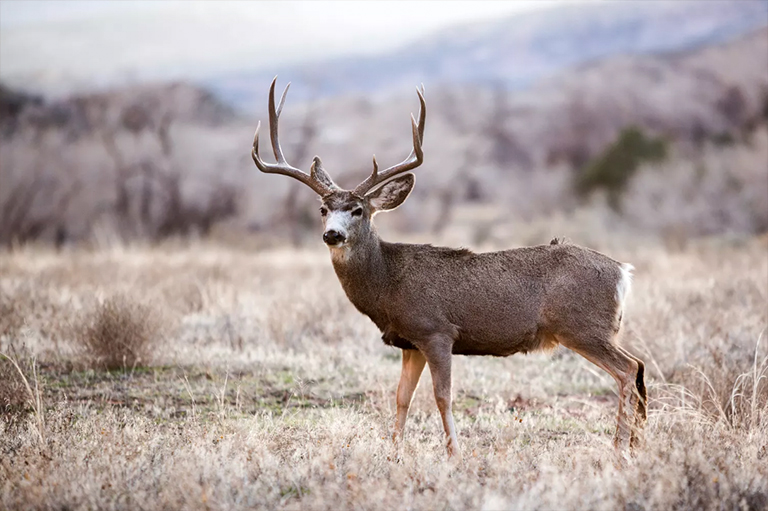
(435, 302)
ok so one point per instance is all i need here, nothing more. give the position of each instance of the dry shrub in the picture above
(14, 398)
(11, 317)
(728, 385)
(119, 333)
(297, 321)
(18, 378)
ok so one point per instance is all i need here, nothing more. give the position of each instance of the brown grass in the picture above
(119, 333)
(272, 391)
(14, 399)
(20, 393)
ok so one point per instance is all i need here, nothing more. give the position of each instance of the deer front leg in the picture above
(413, 365)
(439, 361)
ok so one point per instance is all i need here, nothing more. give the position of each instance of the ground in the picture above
(261, 386)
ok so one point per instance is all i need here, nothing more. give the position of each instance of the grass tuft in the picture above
(15, 405)
(119, 334)
(17, 397)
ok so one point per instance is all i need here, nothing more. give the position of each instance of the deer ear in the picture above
(392, 194)
(318, 173)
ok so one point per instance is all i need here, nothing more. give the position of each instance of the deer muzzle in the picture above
(333, 238)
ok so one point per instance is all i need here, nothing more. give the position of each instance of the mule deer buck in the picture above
(434, 302)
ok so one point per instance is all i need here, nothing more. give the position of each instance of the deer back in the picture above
(495, 303)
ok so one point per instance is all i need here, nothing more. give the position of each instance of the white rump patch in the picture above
(624, 286)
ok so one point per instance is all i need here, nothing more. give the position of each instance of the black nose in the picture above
(333, 237)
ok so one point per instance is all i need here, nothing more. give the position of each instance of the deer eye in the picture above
(323, 211)
(357, 212)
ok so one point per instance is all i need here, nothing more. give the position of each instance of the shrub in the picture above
(11, 317)
(732, 387)
(17, 399)
(14, 401)
(119, 333)
(612, 170)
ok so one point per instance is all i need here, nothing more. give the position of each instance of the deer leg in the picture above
(413, 365)
(624, 369)
(641, 414)
(439, 361)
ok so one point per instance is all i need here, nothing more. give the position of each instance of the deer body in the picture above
(497, 303)
(435, 302)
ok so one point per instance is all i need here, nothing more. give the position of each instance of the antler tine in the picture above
(282, 166)
(422, 111)
(282, 99)
(414, 159)
(274, 116)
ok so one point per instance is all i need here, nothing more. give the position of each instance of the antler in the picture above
(282, 166)
(411, 162)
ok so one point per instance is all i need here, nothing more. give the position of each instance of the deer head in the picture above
(346, 214)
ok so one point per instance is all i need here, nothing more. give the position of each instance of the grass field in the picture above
(246, 380)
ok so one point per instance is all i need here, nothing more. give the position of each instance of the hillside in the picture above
(515, 52)
(687, 97)
(169, 158)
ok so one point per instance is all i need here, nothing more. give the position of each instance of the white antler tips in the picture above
(375, 166)
(256, 135)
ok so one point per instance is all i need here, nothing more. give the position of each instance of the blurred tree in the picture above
(12, 103)
(296, 217)
(505, 150)
(612, 170)
(576, 127)
(732, 105)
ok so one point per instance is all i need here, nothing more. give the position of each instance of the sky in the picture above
(57, 46)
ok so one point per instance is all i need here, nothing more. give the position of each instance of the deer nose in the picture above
(333, 237)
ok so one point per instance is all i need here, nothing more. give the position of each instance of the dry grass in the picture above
(14, 398)
(119, 333)
(271, 391)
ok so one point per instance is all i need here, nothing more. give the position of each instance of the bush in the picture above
(119, 333)
(11, 317)
(15, 399)
(612, 170)
(729, 384)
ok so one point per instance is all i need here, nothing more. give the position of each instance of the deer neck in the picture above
(362, 272)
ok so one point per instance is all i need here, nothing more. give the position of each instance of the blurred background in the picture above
(133, 121)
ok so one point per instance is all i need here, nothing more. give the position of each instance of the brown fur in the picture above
(496, 303)
(442, 301)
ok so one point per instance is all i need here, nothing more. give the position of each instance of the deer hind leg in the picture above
(603, 353)
(641, 413)
(413, 365)
(439, 360)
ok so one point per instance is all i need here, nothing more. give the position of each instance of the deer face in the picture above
(347, 216)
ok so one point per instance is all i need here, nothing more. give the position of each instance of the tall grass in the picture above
(274, 392)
